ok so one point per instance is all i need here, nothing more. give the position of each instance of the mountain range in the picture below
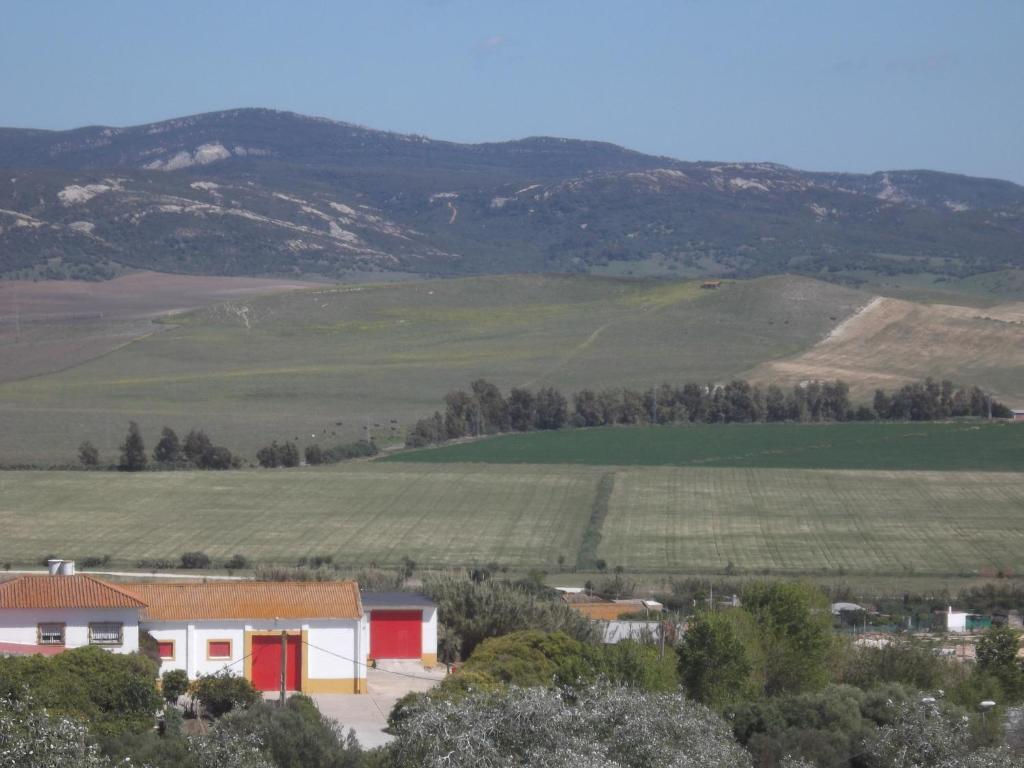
(263, 192)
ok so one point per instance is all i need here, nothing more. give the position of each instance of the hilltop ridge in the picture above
(262, 192)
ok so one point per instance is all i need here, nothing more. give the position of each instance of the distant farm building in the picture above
(711, 284)
(600, 609)
(1017, 414)
(961, 621)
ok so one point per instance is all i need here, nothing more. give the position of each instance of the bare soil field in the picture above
(51, 325)
(889, 342)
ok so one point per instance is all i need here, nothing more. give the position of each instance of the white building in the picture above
(241, 627)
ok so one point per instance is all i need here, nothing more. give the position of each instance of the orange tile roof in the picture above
(608, 611)
(250, 600)
(79, 591)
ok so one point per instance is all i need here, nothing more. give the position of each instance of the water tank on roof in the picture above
(67, 568)
(54, 564)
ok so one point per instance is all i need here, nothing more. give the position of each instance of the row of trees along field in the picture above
(484, 409)
(197, 451)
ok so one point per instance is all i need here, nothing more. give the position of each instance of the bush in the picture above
(174, 684)
(195, 560)
(115, 692)
(155, 564)
(476, 610)
(314, 455)
(296, 735)
(345, 451)
(88, 454)
(237, 563)
(32, 738)
(223, 692)
(278, 455)
(94, 561)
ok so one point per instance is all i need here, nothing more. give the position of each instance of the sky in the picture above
(856, 85)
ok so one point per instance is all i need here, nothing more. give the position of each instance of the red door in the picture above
(266, 663)
(395, 634)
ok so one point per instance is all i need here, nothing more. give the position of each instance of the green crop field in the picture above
(917, 446)
(658, 520)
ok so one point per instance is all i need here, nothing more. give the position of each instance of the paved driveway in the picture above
(367, 714)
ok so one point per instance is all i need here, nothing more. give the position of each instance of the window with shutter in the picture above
(218, 649)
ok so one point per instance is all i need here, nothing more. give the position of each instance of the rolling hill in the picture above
(260, 192)
(338, 361)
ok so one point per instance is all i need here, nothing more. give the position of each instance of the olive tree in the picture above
(602, 726)
(927, 736)
(30, 738)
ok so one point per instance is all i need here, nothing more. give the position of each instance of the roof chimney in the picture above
(54, 564)
(67, 568)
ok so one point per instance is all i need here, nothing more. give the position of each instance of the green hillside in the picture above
(333, 361)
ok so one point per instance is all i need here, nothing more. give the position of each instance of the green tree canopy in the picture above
(133, 450)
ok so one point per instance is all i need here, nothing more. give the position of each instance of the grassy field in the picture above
(329, 362)
(800, 521)
(358, 514)
(924, 446)
(689, 520)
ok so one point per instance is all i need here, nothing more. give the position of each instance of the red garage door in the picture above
(266, 663)
(396, 634)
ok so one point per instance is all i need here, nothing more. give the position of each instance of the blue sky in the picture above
(857, 85)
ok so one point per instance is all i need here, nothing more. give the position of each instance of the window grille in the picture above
(51, 634)
(106, 633)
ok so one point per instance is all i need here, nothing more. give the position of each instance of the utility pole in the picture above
(284, 665)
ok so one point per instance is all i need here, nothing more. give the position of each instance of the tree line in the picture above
(197, 451)
(483, 409)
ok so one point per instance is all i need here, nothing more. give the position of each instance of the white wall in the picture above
(429, 630)
(21, 625)
(190, 645)
(332, 638)
(956, 621)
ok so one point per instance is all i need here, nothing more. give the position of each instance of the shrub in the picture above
(223, 692)
(476, 610)
(289, 455)
(346, 451)
(278, 455)
(314, 455)
(32, 738)
(296, 735)
(88, 454)
(173, 684)
(237, 562)
(154, 564)
(194, 560)
(115, 692)
(94, 561)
